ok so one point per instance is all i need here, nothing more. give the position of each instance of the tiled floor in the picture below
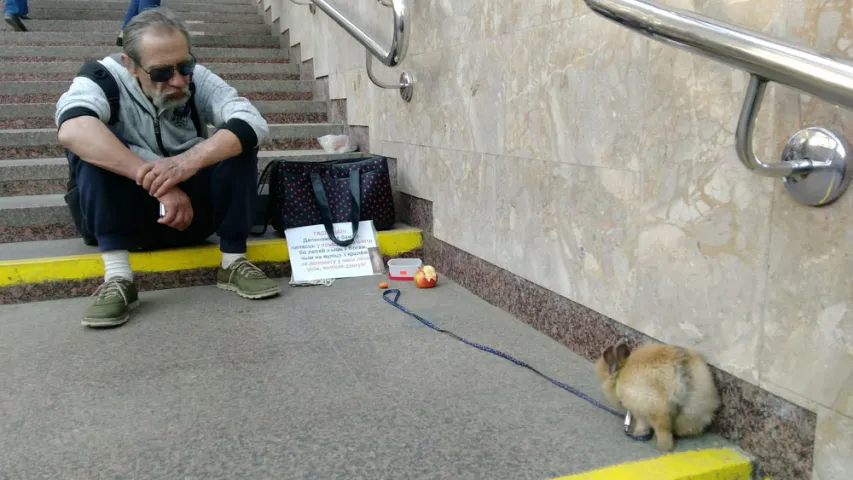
(322, 382)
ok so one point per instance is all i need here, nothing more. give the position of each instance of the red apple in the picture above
(426, 277)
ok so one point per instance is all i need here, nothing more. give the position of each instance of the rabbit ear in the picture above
(609, 356)
(622, 352)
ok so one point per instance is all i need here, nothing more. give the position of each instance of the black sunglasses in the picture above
(166, 72)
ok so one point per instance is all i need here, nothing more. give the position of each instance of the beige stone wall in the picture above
(601, 165)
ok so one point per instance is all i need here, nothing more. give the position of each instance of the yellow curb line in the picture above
(711, 464)
(90, 265)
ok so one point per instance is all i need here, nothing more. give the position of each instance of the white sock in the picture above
(117, 264)
(229, 258)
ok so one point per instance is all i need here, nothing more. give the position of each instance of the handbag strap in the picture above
(326, 211)
(266, 177)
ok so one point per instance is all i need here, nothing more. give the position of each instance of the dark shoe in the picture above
(15, 22)
(114, 300)
(247, 280)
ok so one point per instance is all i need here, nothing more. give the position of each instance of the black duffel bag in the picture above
(312, 193)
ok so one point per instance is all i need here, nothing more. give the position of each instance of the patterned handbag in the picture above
(312, 193)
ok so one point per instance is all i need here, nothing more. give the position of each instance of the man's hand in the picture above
(179, 209)
(159, 176)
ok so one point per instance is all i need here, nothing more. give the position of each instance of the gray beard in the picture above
(169, 103)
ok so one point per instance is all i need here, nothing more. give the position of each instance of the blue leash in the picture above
(515, 361)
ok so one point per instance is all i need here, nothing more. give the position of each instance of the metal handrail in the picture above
(391, 57)
(815, 161)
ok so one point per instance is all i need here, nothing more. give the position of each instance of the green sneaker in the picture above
(247, 280)
(114, 300)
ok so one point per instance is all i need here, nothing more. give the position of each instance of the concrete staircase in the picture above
(229, 37)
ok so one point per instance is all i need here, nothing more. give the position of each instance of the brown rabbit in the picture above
(666, 387)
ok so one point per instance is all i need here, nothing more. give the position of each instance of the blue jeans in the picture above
(16, 7)
(123, 216)
(135, 7)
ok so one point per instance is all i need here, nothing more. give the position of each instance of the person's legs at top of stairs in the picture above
(133, 10)
(14, 12)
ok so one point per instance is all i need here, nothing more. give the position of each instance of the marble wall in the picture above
(601, 165)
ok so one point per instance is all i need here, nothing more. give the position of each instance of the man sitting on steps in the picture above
(153, 155)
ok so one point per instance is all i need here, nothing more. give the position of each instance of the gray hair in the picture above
(158, 19)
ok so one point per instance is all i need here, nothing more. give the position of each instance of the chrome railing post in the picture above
(393, 56)
(815, 165)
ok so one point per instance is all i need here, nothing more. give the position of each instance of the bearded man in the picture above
(150, 177)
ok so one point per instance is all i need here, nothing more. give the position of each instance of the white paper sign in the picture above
(313, 256)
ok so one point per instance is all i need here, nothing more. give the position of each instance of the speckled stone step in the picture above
(41, 176)
(77, 52)
(26, 218)
(109, 38)
(71, 67)
(10, 112)
(42, 143)
(243, 86)
(188, 17)
(38, 137)
(179, 7)
(87, 25)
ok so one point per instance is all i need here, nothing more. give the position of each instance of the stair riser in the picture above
(87, 57)
(112, 26)
(70, 68)
(102, 40)
(203, 54)
(35, 187)
(20, 111)
(48, 122)
(51, 178)
(178, 7)
(253, 86)
(54, 223)
(47, 137)
(52, 98)
(118, 15)
(145, 281)
(68, 77)
(57, 151)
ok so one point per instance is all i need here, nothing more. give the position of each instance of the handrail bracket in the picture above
(406, 84)
(815, 161)
(815, 166)
(391, 57)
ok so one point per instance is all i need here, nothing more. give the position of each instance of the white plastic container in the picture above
(403, 268)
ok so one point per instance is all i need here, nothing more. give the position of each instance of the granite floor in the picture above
(322, 382)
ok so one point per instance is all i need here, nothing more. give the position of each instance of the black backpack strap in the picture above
(194, 113)
(98, 73)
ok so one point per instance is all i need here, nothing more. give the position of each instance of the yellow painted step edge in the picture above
(711, 464)
(90, 265)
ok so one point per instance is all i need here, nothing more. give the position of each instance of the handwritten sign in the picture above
(313, 256)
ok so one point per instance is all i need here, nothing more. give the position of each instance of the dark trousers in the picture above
(16, 7)
(123, 216)
(135, 7)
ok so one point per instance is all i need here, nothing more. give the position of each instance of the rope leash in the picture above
(493, 351)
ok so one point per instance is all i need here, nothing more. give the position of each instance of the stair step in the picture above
(34, 110)
(38, 137)
(189, 17)
(179, 7)
(48, 176)
(70, 68)
(42, 142)
(109, 38)
(203, 54)
(242, 86)
(45, 216)
(112, 26)
(35, 271)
